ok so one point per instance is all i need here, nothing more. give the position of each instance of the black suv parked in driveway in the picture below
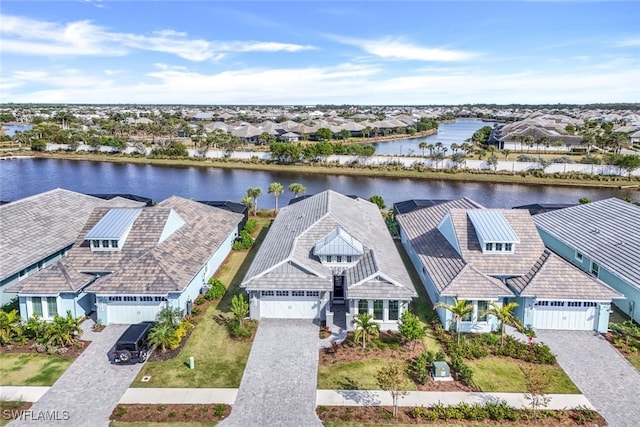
(132, 345)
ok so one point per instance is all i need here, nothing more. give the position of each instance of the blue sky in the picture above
(315, 52)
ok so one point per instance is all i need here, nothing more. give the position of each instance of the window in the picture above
(95, 243)
(542, 303)
(482, 308)
(579, 257)
(297, 293)
(105, 243)
(146, 298)
(574, 304)
(328, 258)
(499, 247)
(313, 293)
(557, 304)
(282, 293)
(590, 304)
(130, 298)
(114, 243)
(378, 308)
(160, 298)
(36, 304)
(52, 306)
(488, 246)
(467, 317)
(267, 293)
(363, 306)
(338, 258)
(595, 269)
(394, 310)
(115, 298)
(349, 258)
(508, 247)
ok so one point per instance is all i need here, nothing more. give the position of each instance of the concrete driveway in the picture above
(606, 378)
(278, 387)
(87, 392)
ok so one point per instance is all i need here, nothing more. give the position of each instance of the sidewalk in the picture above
(323, 397)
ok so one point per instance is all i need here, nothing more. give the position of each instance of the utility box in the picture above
(192, 362)
(440, 371)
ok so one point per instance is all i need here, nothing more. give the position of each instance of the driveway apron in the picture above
(278, 387)
(87, 392)
(606, 378)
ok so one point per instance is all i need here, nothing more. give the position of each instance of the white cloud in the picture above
(633, 41)
(26, 36)
(399, 49)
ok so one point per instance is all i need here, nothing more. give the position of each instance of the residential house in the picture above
(38, 231)
(328, 254)
(603, 239)
(464, 251)
(129, 263)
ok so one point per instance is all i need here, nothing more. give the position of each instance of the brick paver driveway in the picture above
(87, 392)
(279, 383)
(606, 378)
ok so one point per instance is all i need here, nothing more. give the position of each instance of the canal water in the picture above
(24, 177)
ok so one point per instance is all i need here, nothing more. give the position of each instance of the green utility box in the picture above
(440, 371)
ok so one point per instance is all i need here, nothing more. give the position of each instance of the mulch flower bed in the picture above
(349, 351)
(31, 347)
(170, 413)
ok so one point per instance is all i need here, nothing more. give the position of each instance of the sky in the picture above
(319, 52)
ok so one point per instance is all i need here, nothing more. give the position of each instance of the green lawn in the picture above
(635, 361)
(219, 360)
(499, 374)
(32, 369)
(359, 375)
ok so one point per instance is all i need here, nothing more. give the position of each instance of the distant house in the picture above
(289, 137)
(328, 254)
(462, 250)
(603, 239)
(129, 263)
(38, 231)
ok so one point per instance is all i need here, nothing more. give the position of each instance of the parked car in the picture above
(132, 346)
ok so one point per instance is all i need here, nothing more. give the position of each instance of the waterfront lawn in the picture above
(501, 374)
(219, 360)
(31, 369)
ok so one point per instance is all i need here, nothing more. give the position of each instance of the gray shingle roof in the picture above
(606, 231)
(38, 226)
(300, 226)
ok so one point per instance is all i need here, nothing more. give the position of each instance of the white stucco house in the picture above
(462, 250)
(128, 263)
(329, 255)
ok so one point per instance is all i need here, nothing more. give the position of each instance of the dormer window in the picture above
(488, 247)
(493, 231)
(338, 247)
(110, 233)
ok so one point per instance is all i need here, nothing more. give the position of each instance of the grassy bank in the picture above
(376, 172)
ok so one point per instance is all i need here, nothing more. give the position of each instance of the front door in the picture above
(338, 288)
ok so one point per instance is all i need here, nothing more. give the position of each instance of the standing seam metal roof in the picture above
(114, 224)
(491, 226)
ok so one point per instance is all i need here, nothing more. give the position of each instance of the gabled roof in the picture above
(38, 226)
(338, 242)
(300, 226)
(491, 226)
(114, 224)
(606, 231)
(59, 277)
(470, 283)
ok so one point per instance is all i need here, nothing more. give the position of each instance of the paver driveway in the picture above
(87, 392)
(279, 383)
(606, 378)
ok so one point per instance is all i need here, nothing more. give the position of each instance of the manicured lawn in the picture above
(635, 361)
(31, 369)
(359, 375)
(498, 374)
(219, 360)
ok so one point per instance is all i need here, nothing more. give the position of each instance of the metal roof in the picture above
(491, 226)
(338, 242)
(114, 224)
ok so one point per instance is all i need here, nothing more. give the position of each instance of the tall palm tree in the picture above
(460, 309)
(254, 193)
(455, 147)
(365, 328)
(296, 189)
(504, 314)
(422, 146)
(276, 189)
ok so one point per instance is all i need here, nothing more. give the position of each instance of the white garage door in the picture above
(132, 313)
(278, 307)
(567, 315)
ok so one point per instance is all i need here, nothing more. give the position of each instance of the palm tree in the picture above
(163, 336)
(10, 326)
(170, 316)
(296, 189)
(455, 147)
(422, 146)
(365, 328)
(254, 193)
(276, 189)
(504, 314)
(506, 153)
(430, 148)
(460, 309)
(62, 330)
(247, 201)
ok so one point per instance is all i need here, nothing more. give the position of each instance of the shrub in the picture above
(244, 241)
(198, 301)
(216, 291)
(421, 365)
(195, 311)
(219, 410)
(464, 371)
(250, 226)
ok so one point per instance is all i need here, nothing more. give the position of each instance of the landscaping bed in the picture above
(10, 410)
(32, 347)
(170, 413)
(625, 336)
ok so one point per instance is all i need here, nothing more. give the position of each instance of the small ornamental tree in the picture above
(392, 378)
(536, 383)
(239, 308)
(410, 328)
(365, 328)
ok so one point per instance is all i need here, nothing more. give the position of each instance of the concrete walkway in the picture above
(603, 375)
(278, 387)
(86, 393)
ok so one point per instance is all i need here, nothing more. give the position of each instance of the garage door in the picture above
(567, 315)
(132, 313)
(280, 307)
